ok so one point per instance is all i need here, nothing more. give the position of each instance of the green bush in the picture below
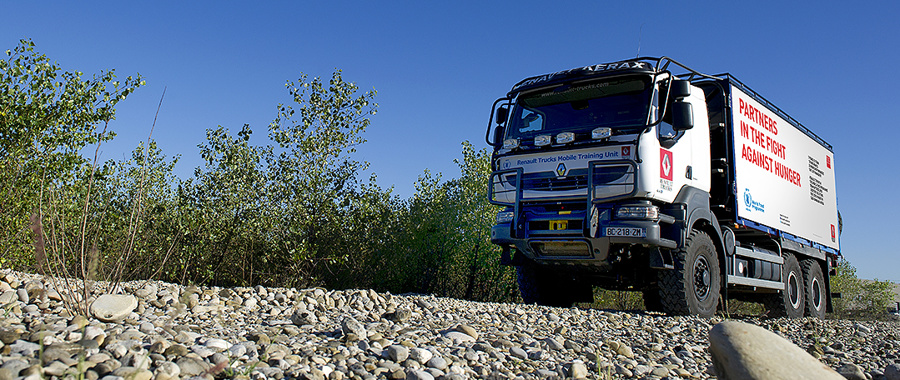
(860, 298)
(48, 190)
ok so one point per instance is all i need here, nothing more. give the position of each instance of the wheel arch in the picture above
(701, 218)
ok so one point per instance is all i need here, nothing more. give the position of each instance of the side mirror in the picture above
(502, 115)
(680, 89)
(498, 134)
(682, 116)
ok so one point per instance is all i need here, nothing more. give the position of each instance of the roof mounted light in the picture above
(601, 133)
(510, 143)
(565, 138)
(542, 140)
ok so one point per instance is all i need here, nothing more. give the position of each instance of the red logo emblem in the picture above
(665, 164)
(828, 161)
(626, 151)
(832, 232)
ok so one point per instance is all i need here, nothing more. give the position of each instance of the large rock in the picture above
(113, 307)
(744, 351)
(892, 372)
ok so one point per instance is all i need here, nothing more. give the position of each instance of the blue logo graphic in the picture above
(752, 205)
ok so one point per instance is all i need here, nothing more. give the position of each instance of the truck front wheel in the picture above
(792, 300)
(814, 282)
(693, 286)
(544, 286)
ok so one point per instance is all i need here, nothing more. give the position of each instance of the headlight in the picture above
(510, 143)
(505, 216)
(565, 138)
(638, 212)
(601, 133)
(542, 140)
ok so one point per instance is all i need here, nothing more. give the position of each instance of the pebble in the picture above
(176, 332)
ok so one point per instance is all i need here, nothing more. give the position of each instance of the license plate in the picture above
(626, 231)
(557, 225)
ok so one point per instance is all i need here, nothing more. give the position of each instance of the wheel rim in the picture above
(816, 292)
(794, 290)
(701, 278)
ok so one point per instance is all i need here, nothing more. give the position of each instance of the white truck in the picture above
(647, 175)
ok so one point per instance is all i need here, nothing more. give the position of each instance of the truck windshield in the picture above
(581, 107)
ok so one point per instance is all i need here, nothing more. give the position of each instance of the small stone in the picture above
(56, 369)
(191, 367)
(851, 372)
(79, 322)
(237, 350)
(167, 371)
(6, 374)
(437, 362)
(468, 330)
(625, 351)
(577, 370)
(147, 328)
(553, 344)
(260, 338)
(217, 344)
(132, 373)
(8, 336)
(302, 317)
(351, 325)
(24, 348)
(176, 350)
(419, 375)
(113, 307)
(518, 352)
(457, 336)
(660, 371)
(8, 297)
(398, 316)
(622, 370)
(397, 353)
(22, 294)
(420, 355)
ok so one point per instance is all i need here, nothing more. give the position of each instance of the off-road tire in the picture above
(791, 301)
(814, 284)
(692, 287)
(544, 286)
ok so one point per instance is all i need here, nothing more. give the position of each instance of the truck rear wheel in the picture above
(814, 283)
(693, 286)
(544, 286)
(791, 301)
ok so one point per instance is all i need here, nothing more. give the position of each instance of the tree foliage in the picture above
(285, 209)
(47, 117)
(860, 297)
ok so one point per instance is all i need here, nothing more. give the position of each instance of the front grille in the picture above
(561, 248)
(549, 181)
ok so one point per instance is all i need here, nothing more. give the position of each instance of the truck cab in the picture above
(621, 175)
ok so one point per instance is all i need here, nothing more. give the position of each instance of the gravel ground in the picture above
(258, 333)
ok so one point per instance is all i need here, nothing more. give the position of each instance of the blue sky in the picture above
(438, 66)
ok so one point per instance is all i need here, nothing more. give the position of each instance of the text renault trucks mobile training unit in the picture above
(685, 186)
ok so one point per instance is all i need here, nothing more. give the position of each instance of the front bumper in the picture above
(589, 246)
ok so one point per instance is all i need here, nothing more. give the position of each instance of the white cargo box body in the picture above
(784, 177)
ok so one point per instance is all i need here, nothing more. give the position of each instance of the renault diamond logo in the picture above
(561, 170)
